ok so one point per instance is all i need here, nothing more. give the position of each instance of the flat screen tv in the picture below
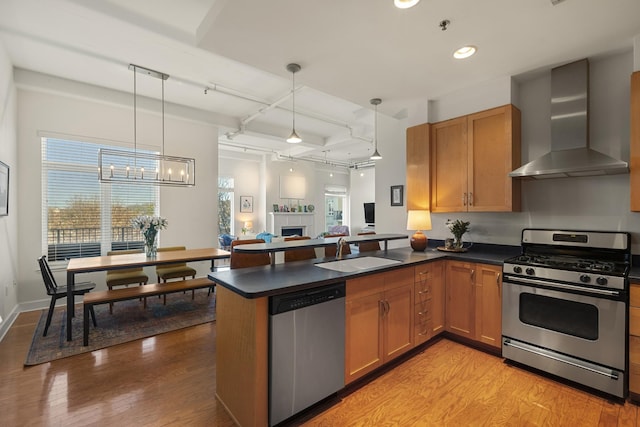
(370, 213)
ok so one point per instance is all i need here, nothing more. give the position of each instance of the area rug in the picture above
(129, 321)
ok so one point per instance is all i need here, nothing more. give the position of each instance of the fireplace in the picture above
(292, 231)
(290, 223)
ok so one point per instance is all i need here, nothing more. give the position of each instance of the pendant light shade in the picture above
(294, 138)
(145, 167)
(375, 102)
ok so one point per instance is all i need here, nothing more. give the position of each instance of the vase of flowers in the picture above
(457, 228)
(149, 226)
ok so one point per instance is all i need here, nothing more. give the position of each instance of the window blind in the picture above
(82, 217)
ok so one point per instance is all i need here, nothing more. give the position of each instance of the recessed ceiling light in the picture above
(464, 52)
(405, 4)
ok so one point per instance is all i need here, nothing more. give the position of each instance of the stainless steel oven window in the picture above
(568, 317)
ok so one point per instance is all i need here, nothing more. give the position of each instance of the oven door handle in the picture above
(526, 348)
(608, 292)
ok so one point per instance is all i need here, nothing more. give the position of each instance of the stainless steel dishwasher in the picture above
(306, 354)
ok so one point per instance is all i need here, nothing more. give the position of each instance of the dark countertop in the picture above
(634, 274)
(256, 282)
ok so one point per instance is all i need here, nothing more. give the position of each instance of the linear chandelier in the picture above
(144, 167)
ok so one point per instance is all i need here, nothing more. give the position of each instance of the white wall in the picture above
(248, 174)
(47, 107)
(9, 261)
(363, 190)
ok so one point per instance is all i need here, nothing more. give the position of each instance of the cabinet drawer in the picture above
(634, 321)
(422, 314)
(634, 298)
(400, 277)
(363, 286)
(423, 272)
(423, 292)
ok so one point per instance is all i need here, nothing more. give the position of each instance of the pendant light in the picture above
(375, 102)
(294, 138)
(145, 167)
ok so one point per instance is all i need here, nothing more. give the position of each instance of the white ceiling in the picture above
(350, 51)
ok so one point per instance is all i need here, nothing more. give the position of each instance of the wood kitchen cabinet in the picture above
(429, 301)
(418, 167)
(379, 320)
(634, 149)
(474, 301)
(634, 342)
(470, 159)
(488, 287)
(460, 298)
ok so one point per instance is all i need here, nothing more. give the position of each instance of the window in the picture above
(225, 205)
(82, 217)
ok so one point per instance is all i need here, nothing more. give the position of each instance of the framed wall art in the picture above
(4, 189)
(246, 203)
(397, 195)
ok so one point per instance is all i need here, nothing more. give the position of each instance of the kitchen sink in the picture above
(356, 264)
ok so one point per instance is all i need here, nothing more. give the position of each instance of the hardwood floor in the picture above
(170, 380)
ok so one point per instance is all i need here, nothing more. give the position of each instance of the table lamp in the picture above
(248, 225)
(419, 220)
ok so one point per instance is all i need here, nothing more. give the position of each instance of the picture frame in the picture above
(246, 204)
(397, 195)
(4, 189)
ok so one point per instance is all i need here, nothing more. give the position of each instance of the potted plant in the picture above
(457, 228)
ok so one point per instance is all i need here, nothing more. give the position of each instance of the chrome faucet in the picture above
(342, 242)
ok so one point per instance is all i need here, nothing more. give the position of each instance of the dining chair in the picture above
(127, 276)
(56, 292)
(178, 270)
(368, 246)
(330, 251)
(298, 254)
(242, 260)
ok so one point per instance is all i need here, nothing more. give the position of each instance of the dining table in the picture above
(122, 261)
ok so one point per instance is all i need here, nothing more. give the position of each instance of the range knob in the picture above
(585, 278)
(602, 281)
(530, 271)
(517, 269)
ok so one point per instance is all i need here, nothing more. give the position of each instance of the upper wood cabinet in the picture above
(470, 159)
(418, 166)
(635, 142)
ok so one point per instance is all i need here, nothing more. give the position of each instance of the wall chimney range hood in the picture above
(570, 153)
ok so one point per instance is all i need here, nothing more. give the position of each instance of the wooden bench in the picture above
(114, 295)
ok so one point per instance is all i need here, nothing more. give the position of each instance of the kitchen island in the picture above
(242, 341)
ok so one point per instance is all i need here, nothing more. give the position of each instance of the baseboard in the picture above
(6, 323)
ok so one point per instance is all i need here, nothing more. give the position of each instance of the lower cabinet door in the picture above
(363, 336)
(398, 321)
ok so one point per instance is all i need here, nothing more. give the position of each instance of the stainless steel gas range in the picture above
(565, 306)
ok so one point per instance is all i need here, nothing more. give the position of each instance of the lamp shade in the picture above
(419, 220)
(248, 225)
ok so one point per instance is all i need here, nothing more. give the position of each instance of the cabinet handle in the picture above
(464, 199)
(473, 274)
(498, 284)
(388, 306)
(470, 199)
(381, 307)
(426, 291)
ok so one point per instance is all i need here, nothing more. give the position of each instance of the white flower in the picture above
(147, 223)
